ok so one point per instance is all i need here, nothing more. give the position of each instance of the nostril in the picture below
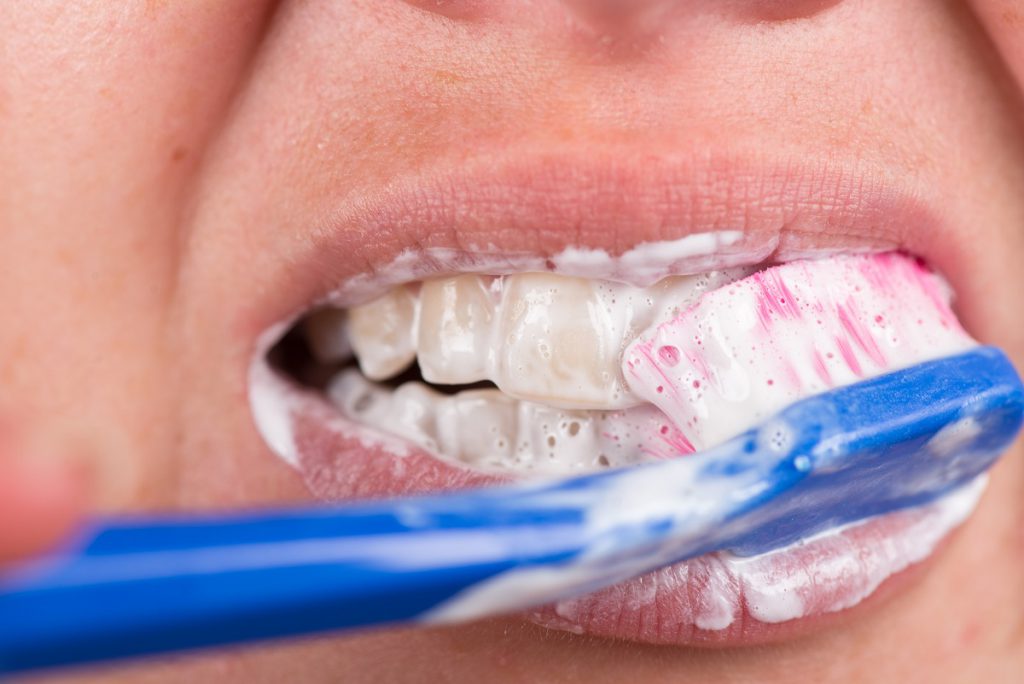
(756, 11)
(467, 10)
(640, 17)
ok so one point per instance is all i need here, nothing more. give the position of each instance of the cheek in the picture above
(1003, 20)
(102, 137)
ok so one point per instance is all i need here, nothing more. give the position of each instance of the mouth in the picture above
(476, 357)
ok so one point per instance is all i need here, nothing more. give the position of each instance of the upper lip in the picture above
(540, 204)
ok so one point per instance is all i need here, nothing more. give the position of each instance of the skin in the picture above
(159, 162)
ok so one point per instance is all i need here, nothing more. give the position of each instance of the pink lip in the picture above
(538, 207)
(670, 606)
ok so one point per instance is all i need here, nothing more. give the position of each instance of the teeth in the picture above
(382, 334)
(552, 344)
(558, 435)
(407, 412)
(413, 407)
(705, 356)
(560, 340)
(558, 343)
(455, 329)
(541, 337)
(492, 416)
(355, 396)
(326, 331)
(495, 432)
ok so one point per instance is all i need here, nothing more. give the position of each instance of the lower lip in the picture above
(714, 600)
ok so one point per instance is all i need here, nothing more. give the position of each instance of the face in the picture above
(182, 182)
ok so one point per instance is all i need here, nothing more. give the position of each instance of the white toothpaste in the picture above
(640, 266)
(270, 402)
(649, 262)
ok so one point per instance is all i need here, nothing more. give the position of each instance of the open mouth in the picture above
(511, 375)
(486, 373)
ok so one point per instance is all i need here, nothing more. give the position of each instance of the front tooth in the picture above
(558, 343)
(326, 331)
(454, 329)
(382, 333)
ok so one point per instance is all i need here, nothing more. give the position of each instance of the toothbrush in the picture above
(136, 585)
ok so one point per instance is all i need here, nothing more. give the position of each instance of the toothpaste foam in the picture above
(749, 349)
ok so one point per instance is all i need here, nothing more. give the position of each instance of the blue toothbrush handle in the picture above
(139, 587)
(135, 586)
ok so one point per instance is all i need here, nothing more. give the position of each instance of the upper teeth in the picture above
(537, 336)
(382, 334)
(454, 335)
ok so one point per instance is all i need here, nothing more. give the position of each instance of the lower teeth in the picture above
(491, 431)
